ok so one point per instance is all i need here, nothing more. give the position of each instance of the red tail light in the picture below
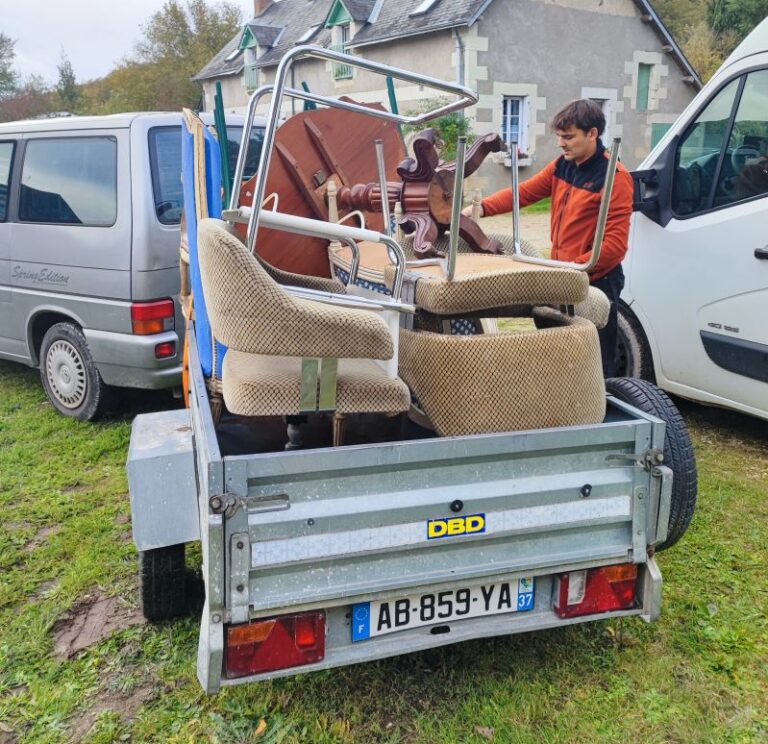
(275, 643)
(165, 350)
(596, 590)
(152, 317)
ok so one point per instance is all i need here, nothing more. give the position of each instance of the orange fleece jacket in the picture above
(576, 191)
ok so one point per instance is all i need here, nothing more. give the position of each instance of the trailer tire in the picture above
(634, 357)
(163, 578)
(678, 449)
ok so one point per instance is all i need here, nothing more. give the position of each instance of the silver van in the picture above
(89, 252)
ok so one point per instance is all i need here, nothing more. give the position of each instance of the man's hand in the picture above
(467, 211)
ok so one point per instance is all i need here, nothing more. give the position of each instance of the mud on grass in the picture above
(698, 675)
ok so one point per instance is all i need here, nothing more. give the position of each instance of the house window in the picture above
(342, 36)
(514, 121)
(643, 86)
(607, 109)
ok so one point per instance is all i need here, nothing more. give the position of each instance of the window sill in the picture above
(503, 158)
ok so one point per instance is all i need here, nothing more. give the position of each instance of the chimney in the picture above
(259, 6)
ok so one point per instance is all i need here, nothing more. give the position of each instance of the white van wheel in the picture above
(68, 373)
(634, 358)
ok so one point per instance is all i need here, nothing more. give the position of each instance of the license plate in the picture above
(371, 619)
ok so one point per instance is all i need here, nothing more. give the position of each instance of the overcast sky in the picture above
(94, 33)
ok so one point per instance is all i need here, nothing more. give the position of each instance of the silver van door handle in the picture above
(762, 253)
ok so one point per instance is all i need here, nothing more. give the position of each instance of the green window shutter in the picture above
(643, 86)
(657, 132)
(339, 15)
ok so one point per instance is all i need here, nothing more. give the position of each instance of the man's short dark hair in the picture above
(583, 114)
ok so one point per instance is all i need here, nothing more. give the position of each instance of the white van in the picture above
(694, 313)
(89, 252)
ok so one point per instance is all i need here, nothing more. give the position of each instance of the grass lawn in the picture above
(698, 675)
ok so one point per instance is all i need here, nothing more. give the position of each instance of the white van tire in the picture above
(69, 375)
(634, 357)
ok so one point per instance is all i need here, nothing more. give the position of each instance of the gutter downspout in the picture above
(460, 55)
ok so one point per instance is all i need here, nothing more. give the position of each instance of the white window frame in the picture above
(523, 123)
(607, 109)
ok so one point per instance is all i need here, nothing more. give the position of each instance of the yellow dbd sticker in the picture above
(455, 526)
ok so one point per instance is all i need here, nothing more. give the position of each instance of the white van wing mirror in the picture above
(654, 186)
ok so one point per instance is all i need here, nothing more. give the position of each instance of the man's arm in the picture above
(616, 240)
(534, 189)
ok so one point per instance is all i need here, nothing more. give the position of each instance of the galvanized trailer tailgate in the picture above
(315, 526)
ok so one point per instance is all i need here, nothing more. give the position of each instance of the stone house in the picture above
(525, 58)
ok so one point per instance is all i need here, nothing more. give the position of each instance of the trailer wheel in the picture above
(163, 580)
(678, 450)
(634, 359)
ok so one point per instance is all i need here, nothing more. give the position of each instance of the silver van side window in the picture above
(70, 181)
(6, 159)
(165, 166)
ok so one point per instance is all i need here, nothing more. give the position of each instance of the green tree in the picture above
(736, 16)
(31, 99)
(680, 16)
(67, 89)
(8, 76)
(177, 42)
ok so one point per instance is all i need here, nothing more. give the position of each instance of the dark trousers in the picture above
(612, 284)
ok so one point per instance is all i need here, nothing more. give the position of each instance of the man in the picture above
(575, 182)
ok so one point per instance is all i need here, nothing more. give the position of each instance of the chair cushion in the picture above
(256, 385)
(597, 307)
(508, 381)
(251, 312)
(484, 282)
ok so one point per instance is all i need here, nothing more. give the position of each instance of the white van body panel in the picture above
(699, 274)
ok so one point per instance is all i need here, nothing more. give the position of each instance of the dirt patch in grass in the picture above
(93, 619)
(125, 704)
(40, 537)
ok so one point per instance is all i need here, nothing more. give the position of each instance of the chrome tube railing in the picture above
(466, 97)
(329, 230)
(458, 192)
(516, 238)
(602, 220)
(382, 171)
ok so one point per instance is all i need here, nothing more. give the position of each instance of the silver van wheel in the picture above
(69, 375)
(66, 374)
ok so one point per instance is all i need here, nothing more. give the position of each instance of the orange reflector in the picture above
(624, 572)
(148, 327)
(251, 633)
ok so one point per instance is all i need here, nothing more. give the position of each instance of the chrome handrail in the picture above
(602, 220)
(458, 192)
(466, 97)
(329, 230)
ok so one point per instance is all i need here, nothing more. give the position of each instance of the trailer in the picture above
(438, 505)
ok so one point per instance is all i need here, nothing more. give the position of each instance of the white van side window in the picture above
(6, 159)
(699, 151)
(70, 181)
(744, 173)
